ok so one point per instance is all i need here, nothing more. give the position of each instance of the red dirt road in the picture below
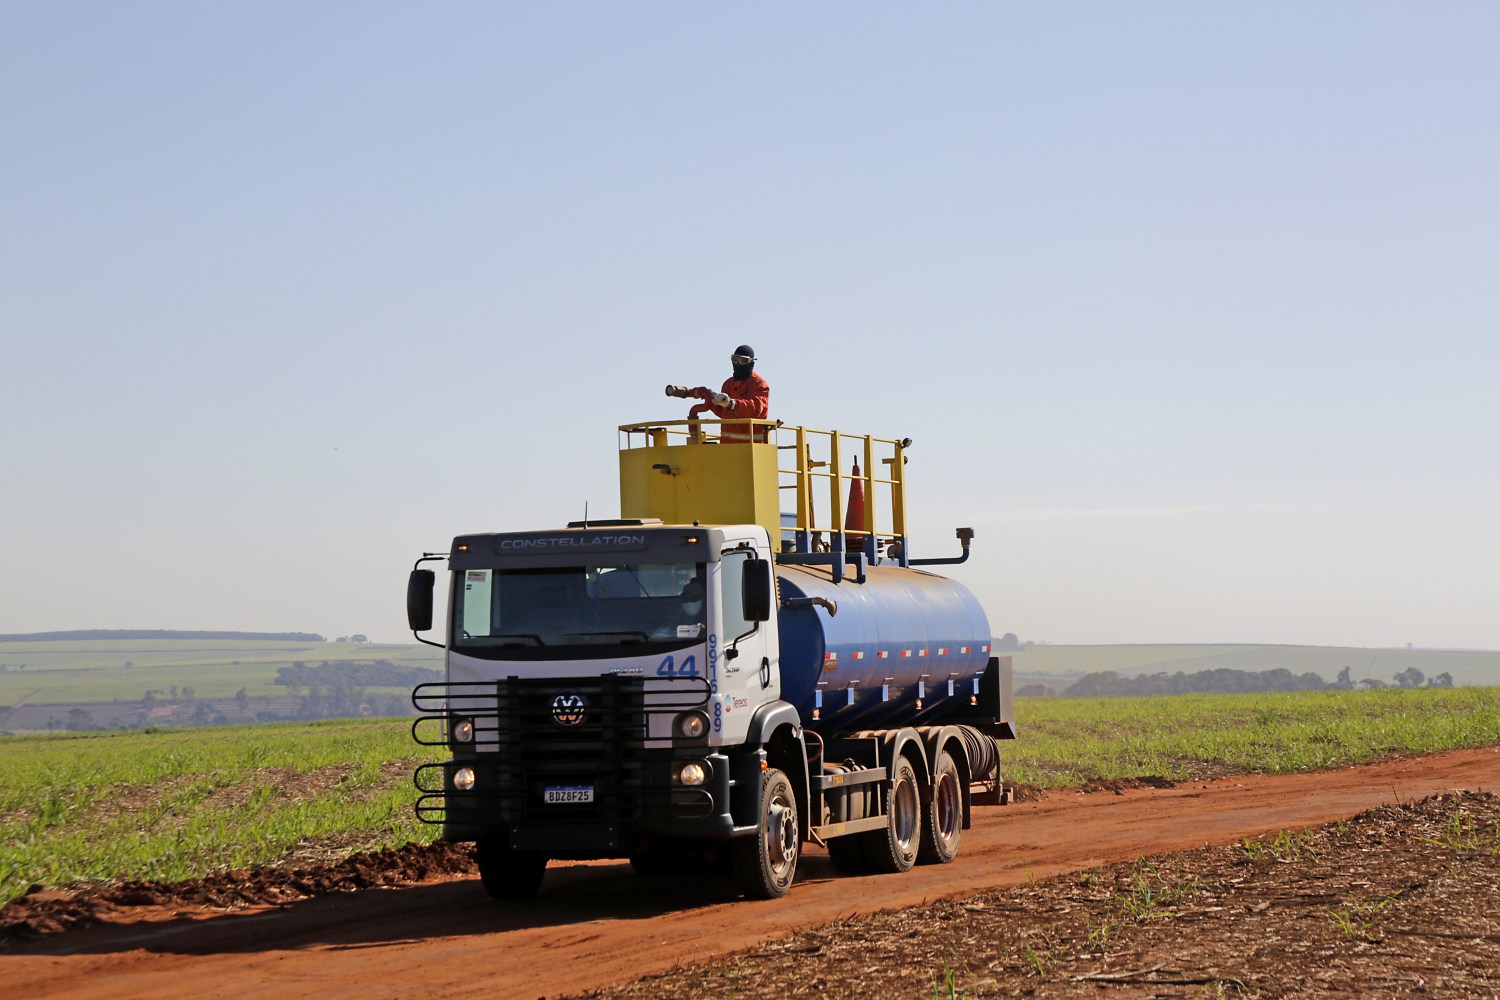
(599, 924)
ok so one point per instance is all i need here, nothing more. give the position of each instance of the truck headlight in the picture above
(691, 725)
(463, 730)
(463, 779)
(692, 773)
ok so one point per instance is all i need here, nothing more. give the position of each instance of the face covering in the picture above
(743, 371)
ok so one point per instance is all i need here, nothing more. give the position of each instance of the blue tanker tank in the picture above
(906, 648)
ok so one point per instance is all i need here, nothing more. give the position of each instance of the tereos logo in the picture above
(568, 709)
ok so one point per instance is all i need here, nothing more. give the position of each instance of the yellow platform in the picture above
(796, 485)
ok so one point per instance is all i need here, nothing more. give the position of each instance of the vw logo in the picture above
(568, 709)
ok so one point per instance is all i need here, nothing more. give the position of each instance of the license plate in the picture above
(568, 793)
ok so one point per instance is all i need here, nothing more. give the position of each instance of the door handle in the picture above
(765, 672)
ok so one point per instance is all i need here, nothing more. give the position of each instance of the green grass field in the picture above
(1474, 667)
(1067, 741)
(71, 672)
(176, 804)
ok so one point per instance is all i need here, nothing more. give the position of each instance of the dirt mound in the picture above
(1120, 785)
(43, 911)
(1094, 786)
(49, 911)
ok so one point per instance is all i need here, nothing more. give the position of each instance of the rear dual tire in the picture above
(897, 847)
(894, 849)
(943, 816)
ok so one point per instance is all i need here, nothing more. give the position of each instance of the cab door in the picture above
(744, 655)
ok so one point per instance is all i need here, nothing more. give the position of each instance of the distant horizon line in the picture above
(1412, 647)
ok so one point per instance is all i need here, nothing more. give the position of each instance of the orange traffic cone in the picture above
(854, 517)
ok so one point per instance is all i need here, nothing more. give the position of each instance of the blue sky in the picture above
(1190, 309)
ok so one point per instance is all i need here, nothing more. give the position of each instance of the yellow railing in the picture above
(820, 459)
(662, 433)
(822, 466)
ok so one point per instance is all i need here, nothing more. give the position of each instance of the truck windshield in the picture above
(552, 611)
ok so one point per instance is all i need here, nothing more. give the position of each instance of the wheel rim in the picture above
(947, 802)
(904, 814)
(781, 837)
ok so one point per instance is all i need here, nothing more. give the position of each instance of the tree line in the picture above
(380, 673)
(1108, 684)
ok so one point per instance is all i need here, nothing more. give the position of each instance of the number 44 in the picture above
(668, 667)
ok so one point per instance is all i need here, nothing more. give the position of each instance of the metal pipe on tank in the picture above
(965, 536)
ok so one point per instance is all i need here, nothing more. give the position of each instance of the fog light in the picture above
(692, 774)
(463, 731)
(463, 779)
(692, 725)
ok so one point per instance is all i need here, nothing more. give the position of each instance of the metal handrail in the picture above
(818, 459)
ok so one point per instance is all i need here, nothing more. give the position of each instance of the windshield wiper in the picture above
(520, 635)
(625, 634)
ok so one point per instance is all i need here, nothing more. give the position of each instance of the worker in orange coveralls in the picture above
(743, 396)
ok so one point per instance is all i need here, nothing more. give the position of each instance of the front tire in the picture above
(765, 864)
(508, 874)
(894, 849)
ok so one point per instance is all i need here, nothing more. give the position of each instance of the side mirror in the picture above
(756, 589)
(419, 599)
